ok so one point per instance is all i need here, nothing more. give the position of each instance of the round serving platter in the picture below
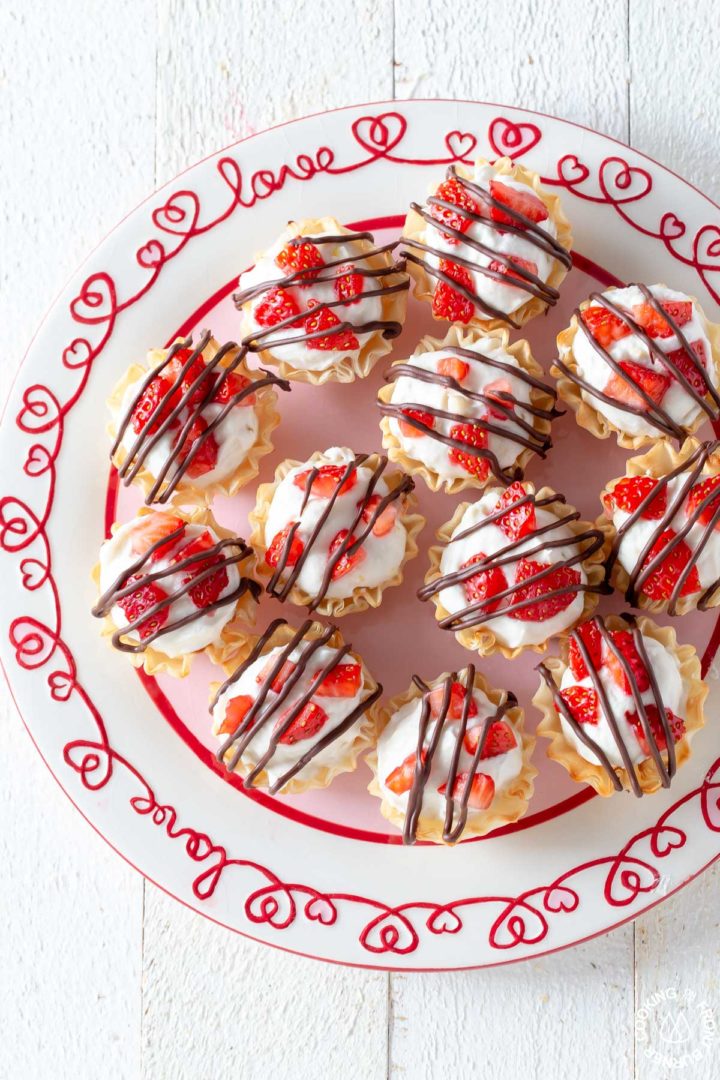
(323, 873)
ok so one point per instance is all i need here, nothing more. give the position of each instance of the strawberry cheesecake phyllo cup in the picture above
(297, 712)
(333, 532)
(193, 422)
(174, 584)
(642, 362)
(452, 759)
(621, 704)
(466, 410)
(323, 302)
(663, 522)
(489, 247)
(515, 569)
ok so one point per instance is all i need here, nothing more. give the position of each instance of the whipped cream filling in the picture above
(490, 539)
(383, 554)
(301, 354)
(667, 672)
(591, 366)
(286, 754)
(399, 740)
(117, 554)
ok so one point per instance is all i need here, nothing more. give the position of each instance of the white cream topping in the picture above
(591, 366)
(399, 739)
(383, 554)
(489, 539)
(300, 354)
(503, 297)
(286, 754)
(117, 554)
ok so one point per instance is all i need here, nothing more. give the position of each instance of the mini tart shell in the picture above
(658, 462)
(361, 598)
(457, 336)
(506, 808)
(587, 415)
(346, 368)
(585, 772)
(366, 728)
(234, 640)
(425, 284)
(481, 639)
(186, 493)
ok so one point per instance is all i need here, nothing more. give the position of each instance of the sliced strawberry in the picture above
(522, 202)
(629, 492)
(174, 368)
(348, 286)
(304, 256)
(282, 676)
(592, 640)
(232, 385)
(533, 596)
(654, 383)
(515, 260)
(685, 365)
(447, 302)
(500, 739)
(497, 391)
(582, 703)
(206, 592)
(344, 680)
(401, 779)
(153, 527)
(304, 726)
(205, 459)
(137, 603)
(520, 519)
(677, 727)
(276, 306)
(484, 584)
(236, 710)
(604, 325)
(153, 407)
(276, 552)
(412, 432)
(453, 367)
(473, 436)
(346, 562)
(482, 790)
(623, 640)
(457, 702)
(326, 480)
(661, 582)
(326, 319)
(385, 520)
(654, 324)
(698, 493)
(452, 191)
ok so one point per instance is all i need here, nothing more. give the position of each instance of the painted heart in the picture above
(96, 301)
(40, 411)
(512, 140)
(33, 642)
(380, 134)
(518, 924)
(151, 254)
(706, 247)
(572, 171)
(666, 839)
(321, 910)
(711, 803)
(390, 932)
(623, 183)
(92, 761)
(77, 354)
(18, 525)
(273, 904)
(460, 144)
(559, 898)
(444, 921)
(628, 878)
(179, 214)
(34, 574)
(671, 227)
(61, 685)
(38, 460)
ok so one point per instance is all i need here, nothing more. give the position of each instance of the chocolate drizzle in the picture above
(665, 771)
(523, 226)
(645, 567)
(424, 754)
(586, 543)
(224, 553)
(512, 425)
(654, 414)
(352, 542)
(191, 401)
(331, 271)
(266, 710)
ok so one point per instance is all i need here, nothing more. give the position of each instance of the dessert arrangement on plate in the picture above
(515, 570)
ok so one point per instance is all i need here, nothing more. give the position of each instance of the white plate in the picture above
(324, 874)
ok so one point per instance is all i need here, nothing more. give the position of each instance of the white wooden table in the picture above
(101, 974)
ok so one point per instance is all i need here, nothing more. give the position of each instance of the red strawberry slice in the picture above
(172, 372)
(153, 407)
(236, 710)
(629, 492)
(137, 603)
(452, 191)
(624, 641)
(232, 385)
(349, 286)
(326, 480)
(401, 779)
(456, 705)
(447, 302)
(677, 727)
(522, 202)
(305, 725)
(153, 527)
(522, 264)
(275, 554)
(385, 520)
(473, 436)
(500, 390)
(346, 562)
(205, 458)
(605, 327)
(412, 432)
(520, 519)
(453, 367)
(500, 739)
(592, 640)
(276, 305)
(344, 680)
(654, 324)
(282, 676)
(661, 582)
(206, 592)
(536, 607)
(686, 367)
(654, 383)
(326, 319)
(698, 493)
(303, 256)
(582, 703)
(482, 790)
(484, 584)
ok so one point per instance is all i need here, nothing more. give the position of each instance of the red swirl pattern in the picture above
(625, 877)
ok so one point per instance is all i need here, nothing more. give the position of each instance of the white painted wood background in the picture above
(102, 975)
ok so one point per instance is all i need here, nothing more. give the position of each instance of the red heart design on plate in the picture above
(34, 574)
(559, 898)
(390, 932)
(77, 354)
(460, 144)
(151, 254)
(38, 461)
(273, 904)
(444, 921)
(380, 134)
(179, 214)
(512, 140)
(707, 246)
(666, 840)
(319, 909)
(95, 303)
(671, 227)
(61, 685)
(572, 171)
(623, 183)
